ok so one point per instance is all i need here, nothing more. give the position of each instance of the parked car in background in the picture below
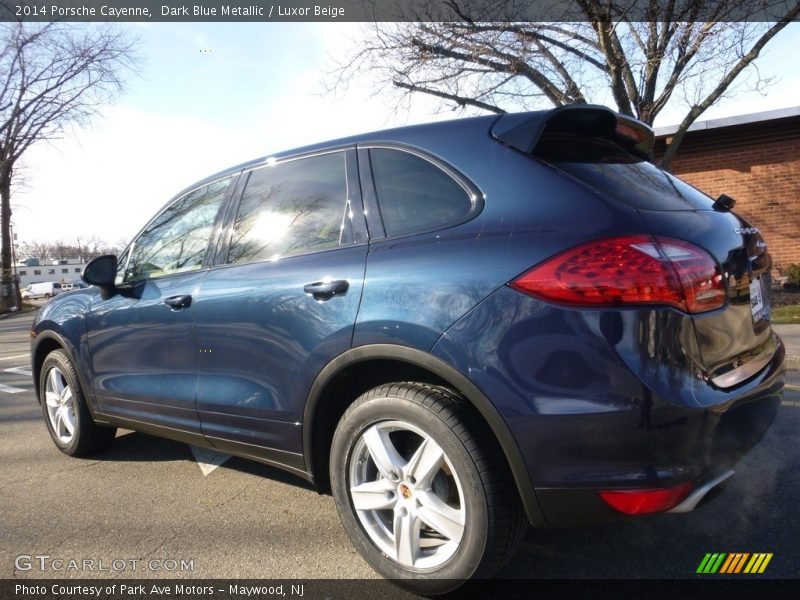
(459, 329)
(46, 289)
(68, 287)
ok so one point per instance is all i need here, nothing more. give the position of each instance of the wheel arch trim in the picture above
(449, 374)
(69, 350)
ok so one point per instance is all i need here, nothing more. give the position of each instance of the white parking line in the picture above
(15, 356)
(24, 370)
(10, 389)
(21, 370)
(208, 459)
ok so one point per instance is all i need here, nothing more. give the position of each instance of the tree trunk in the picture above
(8, 287)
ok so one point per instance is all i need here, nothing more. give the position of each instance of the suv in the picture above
(458, 328)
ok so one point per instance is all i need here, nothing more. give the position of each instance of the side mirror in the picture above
(102, 272)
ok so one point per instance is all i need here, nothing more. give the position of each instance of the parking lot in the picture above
(148, 505)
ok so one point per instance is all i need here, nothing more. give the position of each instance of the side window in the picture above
(415, 195)
(291, 208)
(177, 239)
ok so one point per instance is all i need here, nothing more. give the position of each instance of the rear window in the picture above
(608, 168)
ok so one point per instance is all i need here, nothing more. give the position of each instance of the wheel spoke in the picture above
(67, 396)
(66, 418)
(373, 495)
(59, 421)
(55, 381)
(439, 516)
(383, 453)
(52, 399)
(425, 463)
(406, 536)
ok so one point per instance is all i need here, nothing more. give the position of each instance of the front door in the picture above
(141, 340)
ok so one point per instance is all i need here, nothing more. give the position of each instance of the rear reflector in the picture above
(640, 502)
(627, 270)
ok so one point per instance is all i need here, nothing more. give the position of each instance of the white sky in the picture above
(254, 90)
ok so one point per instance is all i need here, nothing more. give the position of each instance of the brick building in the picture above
(755, 159)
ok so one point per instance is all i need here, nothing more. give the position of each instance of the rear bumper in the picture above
(607, 400)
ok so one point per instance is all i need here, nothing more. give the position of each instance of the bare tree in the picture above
(643, 54)
(42, 251)
(52, 76)
(82, 249)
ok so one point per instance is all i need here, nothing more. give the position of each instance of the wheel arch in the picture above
(46, 342)
(365, 367)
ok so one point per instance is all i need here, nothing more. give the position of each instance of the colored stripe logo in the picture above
(734, 563)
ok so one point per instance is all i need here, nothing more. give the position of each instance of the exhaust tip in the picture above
(692, 500)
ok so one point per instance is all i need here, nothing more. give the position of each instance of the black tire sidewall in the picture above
(60, 360)
(467, 559)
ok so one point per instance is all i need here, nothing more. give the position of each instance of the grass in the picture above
(785, 315)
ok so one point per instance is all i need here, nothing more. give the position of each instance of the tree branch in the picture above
(461, 101)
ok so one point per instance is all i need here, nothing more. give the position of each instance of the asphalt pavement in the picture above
(147, 508)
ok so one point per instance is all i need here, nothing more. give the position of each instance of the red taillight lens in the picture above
(640, 502)
(634, 269)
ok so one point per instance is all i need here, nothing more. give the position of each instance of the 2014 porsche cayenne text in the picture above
(460, 329)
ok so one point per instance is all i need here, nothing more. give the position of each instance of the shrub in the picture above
(793, 273)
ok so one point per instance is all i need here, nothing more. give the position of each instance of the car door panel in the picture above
(143, 353)
(259, 334)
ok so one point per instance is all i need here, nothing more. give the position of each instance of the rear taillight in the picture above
(628, 270)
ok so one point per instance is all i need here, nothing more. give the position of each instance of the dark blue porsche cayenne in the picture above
(458, 329)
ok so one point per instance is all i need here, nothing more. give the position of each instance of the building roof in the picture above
(768, 115)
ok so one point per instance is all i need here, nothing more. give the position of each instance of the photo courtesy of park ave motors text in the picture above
(468, 299)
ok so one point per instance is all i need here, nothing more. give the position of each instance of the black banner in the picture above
(379, 10)
(378, 589)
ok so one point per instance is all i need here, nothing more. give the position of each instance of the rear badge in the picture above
(746, 230)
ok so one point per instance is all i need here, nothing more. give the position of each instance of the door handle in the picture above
(325, 290)
(179, 302)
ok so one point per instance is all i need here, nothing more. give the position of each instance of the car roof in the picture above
(407, 133)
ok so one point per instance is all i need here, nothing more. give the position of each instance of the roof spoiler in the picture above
(523, 131)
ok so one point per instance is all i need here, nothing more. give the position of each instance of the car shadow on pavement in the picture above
(134, 446)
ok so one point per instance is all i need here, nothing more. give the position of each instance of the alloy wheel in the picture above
(60, 402)
(407, 495)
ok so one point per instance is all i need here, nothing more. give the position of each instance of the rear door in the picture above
(281, 304)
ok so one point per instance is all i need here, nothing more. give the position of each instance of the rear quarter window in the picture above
(414, 195)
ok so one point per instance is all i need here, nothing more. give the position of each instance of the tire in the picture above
(47, 296)
(411, 459)
(66, 413)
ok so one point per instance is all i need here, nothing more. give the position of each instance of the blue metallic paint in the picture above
(260, 337)
(599, 397)
(143, 356)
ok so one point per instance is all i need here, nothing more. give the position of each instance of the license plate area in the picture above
(757, 304)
